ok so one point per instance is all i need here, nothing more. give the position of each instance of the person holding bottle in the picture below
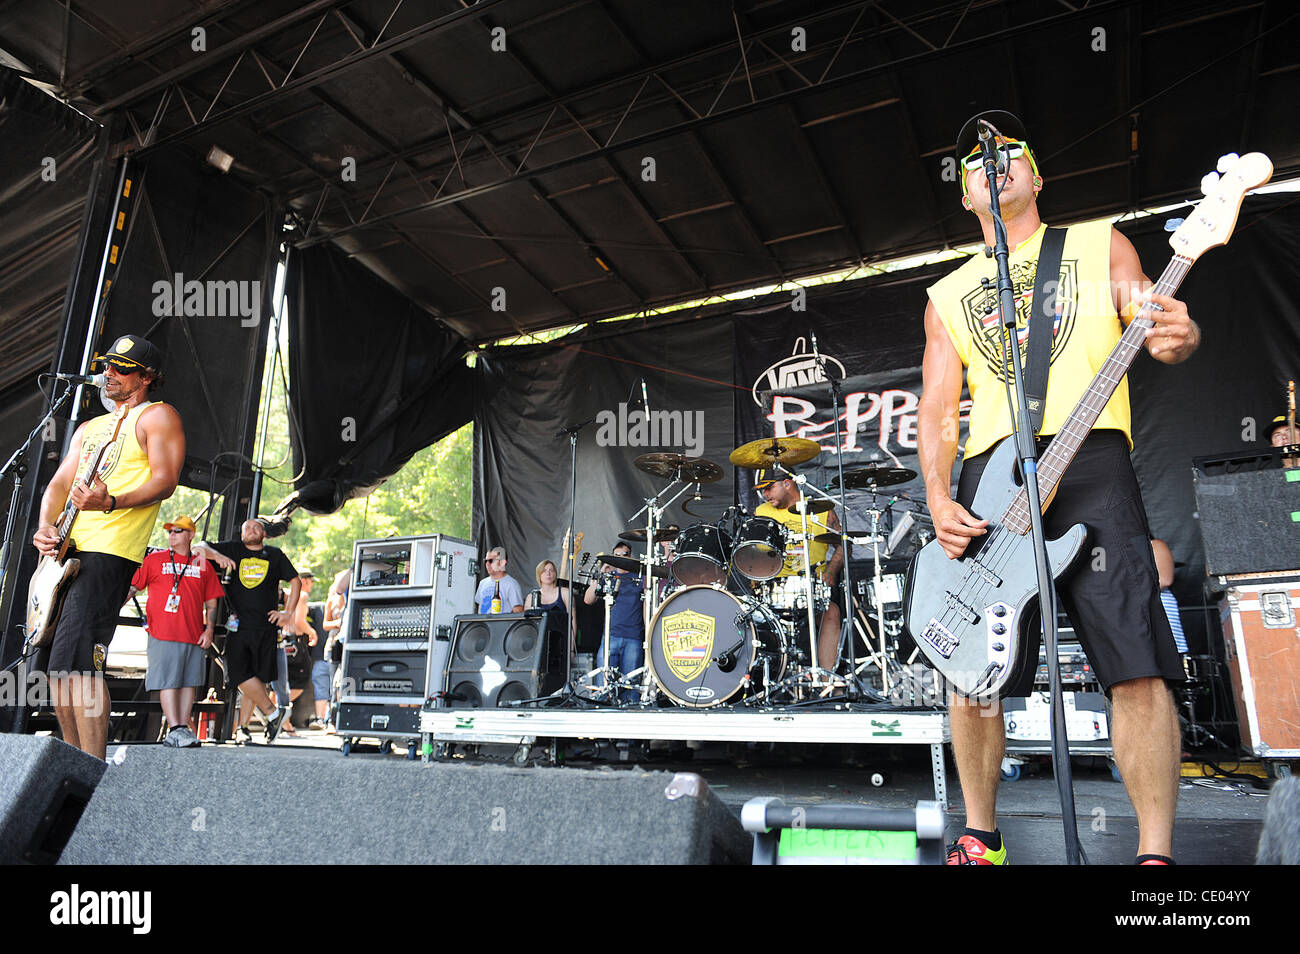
(498, 593)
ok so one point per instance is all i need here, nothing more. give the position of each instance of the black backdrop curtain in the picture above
(1242, 296)
(372, 378)
(521, 468)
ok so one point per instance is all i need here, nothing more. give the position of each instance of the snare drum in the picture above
(759, 553)
(890, 590)
(702, 555)
(788, 595)
(706, 647)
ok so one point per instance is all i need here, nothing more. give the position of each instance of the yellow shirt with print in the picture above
(1087, 329)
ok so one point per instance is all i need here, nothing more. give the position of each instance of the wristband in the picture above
(112, 505)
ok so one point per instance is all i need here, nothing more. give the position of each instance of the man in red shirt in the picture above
(180, 613)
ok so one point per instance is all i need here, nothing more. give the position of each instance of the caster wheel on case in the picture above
(347, 747)
(385, 746)
(1011, 773)
(411, 751)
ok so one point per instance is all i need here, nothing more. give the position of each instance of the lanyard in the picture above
(176, 577)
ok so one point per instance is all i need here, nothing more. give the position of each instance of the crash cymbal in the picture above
(663, 533)
(692, 470)
(774, 450)
(872, 476)
(631, 564)
(811, 506)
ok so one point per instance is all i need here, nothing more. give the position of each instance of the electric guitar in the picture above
(54, 574)
(969, 615)
(570, 554)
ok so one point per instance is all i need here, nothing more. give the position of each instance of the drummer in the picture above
(779, 495)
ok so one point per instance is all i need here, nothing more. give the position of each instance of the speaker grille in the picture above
(472, 645)
(521, 642)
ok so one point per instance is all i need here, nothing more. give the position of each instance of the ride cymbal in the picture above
(789, 451)
(871, 476)
(663, 533)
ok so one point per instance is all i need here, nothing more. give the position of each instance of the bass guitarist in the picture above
(116, 517)
(1114, 600)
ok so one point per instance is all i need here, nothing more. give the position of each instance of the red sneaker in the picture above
(969, 850)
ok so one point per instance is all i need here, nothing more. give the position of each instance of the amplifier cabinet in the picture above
(1262, 638)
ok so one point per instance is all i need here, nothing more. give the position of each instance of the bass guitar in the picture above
(969, 616)
(54, 574)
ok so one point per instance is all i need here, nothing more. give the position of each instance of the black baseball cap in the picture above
(131, 353)
(1004, 122)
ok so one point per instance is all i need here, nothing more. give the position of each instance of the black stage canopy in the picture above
(513, 165)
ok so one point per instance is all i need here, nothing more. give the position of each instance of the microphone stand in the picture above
(570, 637)
(17, 465)
(1027, 454)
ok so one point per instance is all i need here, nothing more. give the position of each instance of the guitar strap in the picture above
(1042, 320)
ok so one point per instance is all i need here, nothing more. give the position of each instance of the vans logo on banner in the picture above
(796, 371)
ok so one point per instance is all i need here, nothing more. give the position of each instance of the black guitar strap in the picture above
(1042, 320)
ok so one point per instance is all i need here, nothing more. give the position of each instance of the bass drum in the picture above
(702, 555)
(697, 625)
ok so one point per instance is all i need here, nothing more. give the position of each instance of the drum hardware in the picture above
(697, 498)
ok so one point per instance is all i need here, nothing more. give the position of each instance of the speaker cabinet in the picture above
(1246, 514)
(45, 785)
(503, 659)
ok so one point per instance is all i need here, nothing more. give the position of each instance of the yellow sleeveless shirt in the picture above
(1087, 329)
(124, 532)
(794, 550)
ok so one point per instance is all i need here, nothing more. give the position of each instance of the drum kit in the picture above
(731, 605)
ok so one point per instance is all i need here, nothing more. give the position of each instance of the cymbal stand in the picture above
(816, 672)
(612, 678)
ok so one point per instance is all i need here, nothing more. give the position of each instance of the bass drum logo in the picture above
(687, 643)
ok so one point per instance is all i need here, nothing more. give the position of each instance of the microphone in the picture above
(827, 373)
(990, 149)
(94, 380)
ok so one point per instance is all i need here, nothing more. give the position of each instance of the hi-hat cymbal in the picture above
(631, 564)
(830, 539)
(692, 470)
(663, 533)
(872, 476)
(767, 451)
(811, 507)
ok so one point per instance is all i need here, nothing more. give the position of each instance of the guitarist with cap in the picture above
(114, 510)
(1115, 610)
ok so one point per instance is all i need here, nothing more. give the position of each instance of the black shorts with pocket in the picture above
(251, 654)
(1113, 595)
(89, 615)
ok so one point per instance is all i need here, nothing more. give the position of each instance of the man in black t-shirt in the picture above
(253, 593)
